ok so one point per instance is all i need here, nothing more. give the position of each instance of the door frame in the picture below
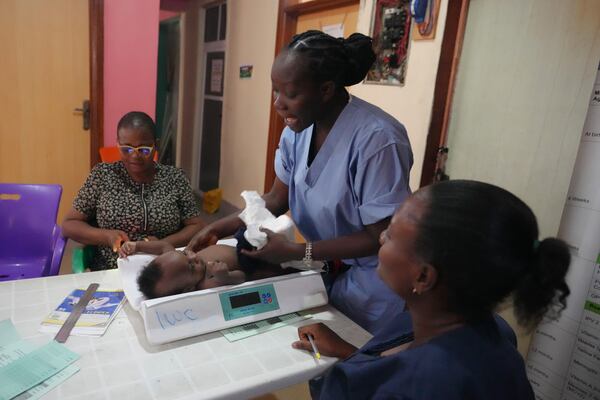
(96, 44)
(437, 137)
(287, 21)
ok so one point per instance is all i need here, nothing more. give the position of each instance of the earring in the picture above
(414, 290)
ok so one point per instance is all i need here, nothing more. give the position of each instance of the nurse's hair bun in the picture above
(483, 242)
(536, 294)
(360, 57)
(343, 61)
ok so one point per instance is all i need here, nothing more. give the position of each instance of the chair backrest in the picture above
(27, 228)
(111, 154)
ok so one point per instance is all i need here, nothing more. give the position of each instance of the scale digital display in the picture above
(240, 303)
(246, 299)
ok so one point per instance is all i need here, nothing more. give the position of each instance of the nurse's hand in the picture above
(327, 341)
(206, 237)
(277, 250)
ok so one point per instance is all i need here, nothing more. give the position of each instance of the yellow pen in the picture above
(315, 350)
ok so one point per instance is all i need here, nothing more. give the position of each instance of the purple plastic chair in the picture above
(31, 244)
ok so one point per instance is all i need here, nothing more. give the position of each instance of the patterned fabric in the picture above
(112, 200)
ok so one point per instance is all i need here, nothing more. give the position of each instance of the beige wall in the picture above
(410, 104)
(251, 29)
(251, 40)
(526, 73)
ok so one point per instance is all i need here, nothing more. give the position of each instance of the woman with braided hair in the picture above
(342, 169)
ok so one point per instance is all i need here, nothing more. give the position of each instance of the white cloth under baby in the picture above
(256, 215)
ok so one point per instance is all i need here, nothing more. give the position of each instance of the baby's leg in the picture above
(267, 270)
(228, 255)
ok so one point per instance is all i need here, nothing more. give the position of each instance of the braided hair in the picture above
(343, 61)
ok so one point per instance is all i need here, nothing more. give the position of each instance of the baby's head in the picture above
(171, 273)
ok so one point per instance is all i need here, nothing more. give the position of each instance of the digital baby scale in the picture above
(171, 318)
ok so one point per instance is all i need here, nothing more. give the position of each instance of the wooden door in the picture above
(44, 76)
(328, 20)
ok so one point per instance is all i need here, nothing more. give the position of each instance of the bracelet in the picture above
(307, 260)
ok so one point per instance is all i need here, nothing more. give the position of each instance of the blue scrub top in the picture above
(476, 361)
(359, 177)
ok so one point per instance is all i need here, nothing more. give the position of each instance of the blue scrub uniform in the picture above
(476, 361)
(358, 177)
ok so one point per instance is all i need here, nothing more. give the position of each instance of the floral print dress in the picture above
(112, 200)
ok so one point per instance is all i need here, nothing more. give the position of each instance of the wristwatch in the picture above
(307, 260)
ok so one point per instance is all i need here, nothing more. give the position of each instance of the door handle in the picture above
(85, 112)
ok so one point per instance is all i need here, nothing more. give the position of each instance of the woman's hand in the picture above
(127, 249)
(277, 250)
(206, 237)
(114, 238)
(327, 341)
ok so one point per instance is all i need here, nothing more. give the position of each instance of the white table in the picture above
(123, 365)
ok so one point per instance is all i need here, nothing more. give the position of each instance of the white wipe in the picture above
(256, 215)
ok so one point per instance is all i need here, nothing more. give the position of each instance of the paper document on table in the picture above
(13, 349)
(96, 317)
(8, 333)
(254, 328)
(24, 367)
(40, 390)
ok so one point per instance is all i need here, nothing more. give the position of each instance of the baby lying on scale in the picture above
(175, 271)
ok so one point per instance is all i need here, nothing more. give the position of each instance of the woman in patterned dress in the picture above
(132, 199)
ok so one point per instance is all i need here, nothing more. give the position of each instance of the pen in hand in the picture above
(314, 347)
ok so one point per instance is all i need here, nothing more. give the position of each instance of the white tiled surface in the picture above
(122, 364)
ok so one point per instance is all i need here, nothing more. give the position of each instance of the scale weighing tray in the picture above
(171, 318)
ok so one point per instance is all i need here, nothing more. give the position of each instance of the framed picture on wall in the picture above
(215, 68)
(390, 30)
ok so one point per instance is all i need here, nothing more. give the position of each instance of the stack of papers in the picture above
(96, 317)
(254, 328)
(28, 371)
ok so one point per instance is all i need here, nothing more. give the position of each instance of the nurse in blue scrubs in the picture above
(342, 169)
(453, 251)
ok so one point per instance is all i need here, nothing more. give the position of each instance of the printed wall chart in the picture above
(564, 357)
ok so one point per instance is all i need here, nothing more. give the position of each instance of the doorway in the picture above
(191, 69)
(209, 156)
(167, 89)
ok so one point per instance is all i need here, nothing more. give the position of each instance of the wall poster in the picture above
(564, 356)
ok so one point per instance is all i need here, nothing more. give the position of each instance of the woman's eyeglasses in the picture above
(144, 151)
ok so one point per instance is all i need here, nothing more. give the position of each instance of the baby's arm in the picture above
(151, 247)
(223, 276)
